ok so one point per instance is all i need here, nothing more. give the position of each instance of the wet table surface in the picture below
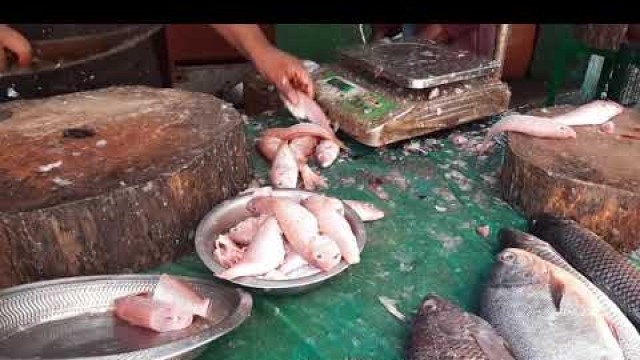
(438, 194)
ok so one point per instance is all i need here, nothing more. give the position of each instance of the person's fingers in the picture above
(15, 42)
(287, 90)
(3, 60)
(308, 82)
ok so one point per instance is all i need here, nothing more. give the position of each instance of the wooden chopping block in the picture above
(594, 179)
(110, 181)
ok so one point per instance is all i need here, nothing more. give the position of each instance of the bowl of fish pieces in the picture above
(283, 241)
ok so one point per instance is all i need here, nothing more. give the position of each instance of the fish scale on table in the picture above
(595, 259)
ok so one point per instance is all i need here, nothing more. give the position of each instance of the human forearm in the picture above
(248, 39)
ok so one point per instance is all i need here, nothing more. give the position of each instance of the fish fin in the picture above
(557, 291)
(492, 345)
(614, 329)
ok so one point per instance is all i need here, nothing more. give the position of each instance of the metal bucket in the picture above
(71, 58)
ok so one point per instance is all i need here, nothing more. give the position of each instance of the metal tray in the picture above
(417, 64)
(230, 212)
(72, 318)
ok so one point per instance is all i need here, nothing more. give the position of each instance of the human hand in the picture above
(285, 72)
(16, 43)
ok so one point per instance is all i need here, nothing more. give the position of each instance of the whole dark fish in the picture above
(627, 334)
(443, 331)
(545, 313)
(596, 259)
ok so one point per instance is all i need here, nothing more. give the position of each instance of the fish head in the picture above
(325, 252)
(434, 304)
(512, 238)
(516, 268)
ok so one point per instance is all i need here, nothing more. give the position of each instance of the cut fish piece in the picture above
(141, 310)
(174, 292)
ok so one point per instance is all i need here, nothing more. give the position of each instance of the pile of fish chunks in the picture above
(289, 149)
(289, 237)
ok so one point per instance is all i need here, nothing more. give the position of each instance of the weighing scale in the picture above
(383, 93)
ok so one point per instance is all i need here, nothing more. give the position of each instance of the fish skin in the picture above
(268, 146)
(302, 232)
(141, 310)
(242, 233)
(308, 109)
(335, 226)
(442, 330)
(303, 129)
(326, 153)
(627, 334)
(545, 313)
(366, 211)
(310, 179)
(596, 112)
(284, 170)
(179, 294)
(264, 254)
(303, 147)
(292, 261)
(595, 259)
(261, 205)
(534, 126)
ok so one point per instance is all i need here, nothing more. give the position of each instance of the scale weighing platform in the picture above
(387, 92)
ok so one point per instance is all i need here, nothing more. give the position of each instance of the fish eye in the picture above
(507, 257)
(336, 256)
(319, 256)
(430, 305)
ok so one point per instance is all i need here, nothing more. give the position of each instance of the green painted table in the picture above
(426, 243)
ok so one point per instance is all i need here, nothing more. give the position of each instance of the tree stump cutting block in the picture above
(594, 179)
(111, 181)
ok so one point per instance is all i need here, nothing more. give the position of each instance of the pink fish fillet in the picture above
(594, 113)
(326, 153)
(366, 211)
(268, 146)
(303, 147)
(336, 204)
(534, 126)
(307, 109)
(141, 310)
(261, 205)
(284, 170)
(303, 129)
(301, 230)
(310, 179)
(334, 226)
(243, 232)
(226, 252)
(531, 125)
(292, 261)
(177, 293)
(265, 253)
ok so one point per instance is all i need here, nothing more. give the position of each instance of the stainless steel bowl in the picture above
(71, 318)
(228, 213)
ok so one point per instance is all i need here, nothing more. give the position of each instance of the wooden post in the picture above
(502, 39)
